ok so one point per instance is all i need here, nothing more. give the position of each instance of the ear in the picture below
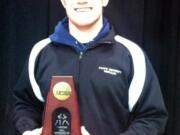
(105, 2)
(63, 3)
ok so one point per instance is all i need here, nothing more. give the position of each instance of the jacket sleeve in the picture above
(149, 115)
(28, 109)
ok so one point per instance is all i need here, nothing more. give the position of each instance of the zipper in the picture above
(79, 68)
(81, 55)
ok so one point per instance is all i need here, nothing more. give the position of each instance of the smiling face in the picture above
(84, 12)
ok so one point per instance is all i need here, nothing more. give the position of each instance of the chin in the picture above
(84, 21)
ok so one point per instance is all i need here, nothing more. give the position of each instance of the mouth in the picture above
(83, 9)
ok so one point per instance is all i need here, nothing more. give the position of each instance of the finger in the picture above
(41, 130)
(84, 131)
(26, 133)
(38, 131)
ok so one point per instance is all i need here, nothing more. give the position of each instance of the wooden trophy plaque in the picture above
(61, 115)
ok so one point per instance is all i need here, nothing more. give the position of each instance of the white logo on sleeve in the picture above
(110, 70)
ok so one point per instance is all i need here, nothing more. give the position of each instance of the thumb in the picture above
(38, 131)
(84, 131)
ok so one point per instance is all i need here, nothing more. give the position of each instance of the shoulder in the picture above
(40, 45)
(37, 48)
(131, 46)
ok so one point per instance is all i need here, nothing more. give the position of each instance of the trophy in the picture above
(61, 116)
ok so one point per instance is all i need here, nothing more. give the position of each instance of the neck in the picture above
(85, 34)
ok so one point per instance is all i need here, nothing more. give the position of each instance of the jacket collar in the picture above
(62, 36)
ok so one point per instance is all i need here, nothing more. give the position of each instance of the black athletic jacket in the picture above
(118, 91)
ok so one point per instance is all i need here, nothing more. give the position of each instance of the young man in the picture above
(118, 91)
